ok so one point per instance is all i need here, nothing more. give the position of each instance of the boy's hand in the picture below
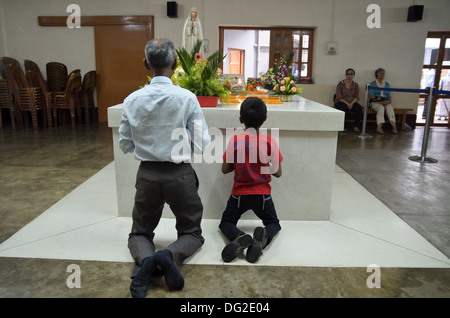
(227, 167)
(279, 172)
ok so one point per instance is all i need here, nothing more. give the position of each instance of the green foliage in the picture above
(200, 75)
(200, 86)
(186, 59)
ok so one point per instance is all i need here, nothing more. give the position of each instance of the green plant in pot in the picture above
(201, 76)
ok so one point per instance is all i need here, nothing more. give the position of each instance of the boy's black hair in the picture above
(253, 112)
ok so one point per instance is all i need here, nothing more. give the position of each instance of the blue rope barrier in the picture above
(440, 92)
(406, 90)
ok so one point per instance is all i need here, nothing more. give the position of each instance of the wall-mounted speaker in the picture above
(415, 13)
(172, 9)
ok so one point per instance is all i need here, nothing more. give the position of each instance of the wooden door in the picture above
(119, 54)
(281, 44)
(119, 51)
(284, 42)
(236, 61)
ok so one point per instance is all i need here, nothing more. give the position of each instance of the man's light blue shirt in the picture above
(163, 122)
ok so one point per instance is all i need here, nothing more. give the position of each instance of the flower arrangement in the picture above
(199, 75)
(179, 72)
(279, 71)
(286, 86)
(253, 84)
(279, 79)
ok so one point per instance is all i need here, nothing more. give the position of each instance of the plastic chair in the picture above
(25, 97)
(35, 79)
(87, 95)
(6, 99)
(69, 98)
(56, 76)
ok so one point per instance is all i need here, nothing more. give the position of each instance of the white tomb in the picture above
(308, 133)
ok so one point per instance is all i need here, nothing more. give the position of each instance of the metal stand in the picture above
(423, 156)
(363, 134)
(422, 159)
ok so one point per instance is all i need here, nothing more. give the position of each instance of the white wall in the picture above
(247, 40)
(398, 46)
(2, 34)
(240, 39)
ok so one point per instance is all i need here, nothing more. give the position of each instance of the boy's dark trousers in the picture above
(261, 205)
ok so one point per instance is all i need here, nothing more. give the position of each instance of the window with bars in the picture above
(296, 41)
(285, 41)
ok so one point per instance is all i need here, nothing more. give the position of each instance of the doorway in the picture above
(435, 73)
(236, 59)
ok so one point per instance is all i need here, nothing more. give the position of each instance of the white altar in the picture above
(308, 134)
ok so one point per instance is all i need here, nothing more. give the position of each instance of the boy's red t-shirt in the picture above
(255, 157)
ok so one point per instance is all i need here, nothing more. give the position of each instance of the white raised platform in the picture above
(307, 137)
(361, 231)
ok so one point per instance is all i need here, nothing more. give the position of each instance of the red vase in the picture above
(208, 101)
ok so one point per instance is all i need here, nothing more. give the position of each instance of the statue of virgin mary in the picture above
(192, 31)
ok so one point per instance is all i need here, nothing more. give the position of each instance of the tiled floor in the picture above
(58, 207)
